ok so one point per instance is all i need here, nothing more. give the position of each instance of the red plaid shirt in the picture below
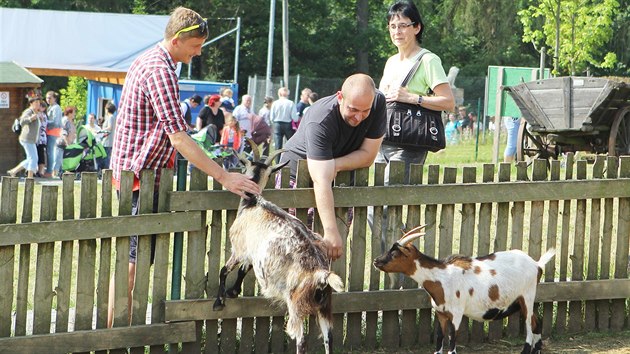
(149, 110)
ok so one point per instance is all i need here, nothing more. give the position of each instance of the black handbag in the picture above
(412, 126)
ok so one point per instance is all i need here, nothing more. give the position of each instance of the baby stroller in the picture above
(85, 155)
(206, 138)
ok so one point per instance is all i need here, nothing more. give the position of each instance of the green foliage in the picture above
(75, 95)
(585, 27)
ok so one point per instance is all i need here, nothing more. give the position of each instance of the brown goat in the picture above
(485, 288)
(289, 260)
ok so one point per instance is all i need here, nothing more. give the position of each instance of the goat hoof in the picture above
(219, 305)
(232, 293)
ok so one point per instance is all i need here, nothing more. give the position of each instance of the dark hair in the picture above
(407, 9)
(69, 109)
(313, 96)
(196, 99)
(268, 99)
(110, 107)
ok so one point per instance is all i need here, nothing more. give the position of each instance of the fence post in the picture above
(178, 238)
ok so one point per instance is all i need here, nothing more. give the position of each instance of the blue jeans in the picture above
(51, 154)
(511, 126)
(30, 163)
(280, 131)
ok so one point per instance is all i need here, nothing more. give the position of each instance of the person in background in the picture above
(29, 120)
(150, 127)
(108, 129)
(302, 105)
(266, 109)
(93, 127)
(211, 113)
(187, 106)
(464, 121)
(244, 115)
(231, 138)
(53, 132)
(42, 140)
(341, 132)
(283, 114)
(511, 126)
(227, 102)
(312, 98)
(452, 130)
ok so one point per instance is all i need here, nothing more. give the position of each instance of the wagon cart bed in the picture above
(569, 114)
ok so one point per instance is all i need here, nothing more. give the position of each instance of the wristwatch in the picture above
(420, 98)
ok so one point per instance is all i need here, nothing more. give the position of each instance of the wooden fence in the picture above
(55, 272)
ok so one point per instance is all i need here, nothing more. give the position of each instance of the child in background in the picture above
(231, 137)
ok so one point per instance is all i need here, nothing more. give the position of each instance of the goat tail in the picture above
(545, 258)
(334, 281)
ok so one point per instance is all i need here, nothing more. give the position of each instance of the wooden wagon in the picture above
(570, 114)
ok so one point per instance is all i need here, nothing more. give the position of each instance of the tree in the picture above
(580, 28)
(75, 95)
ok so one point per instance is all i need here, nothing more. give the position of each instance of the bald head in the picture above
(358, 85)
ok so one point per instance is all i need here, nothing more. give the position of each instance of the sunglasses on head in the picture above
(202, 26)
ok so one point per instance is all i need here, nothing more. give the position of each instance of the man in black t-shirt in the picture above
(341, 132)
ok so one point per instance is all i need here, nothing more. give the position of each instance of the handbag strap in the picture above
(414, 68)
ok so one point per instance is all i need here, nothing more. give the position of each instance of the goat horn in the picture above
(255, 150)
(409, 237)
(417, 228)
(273, 156)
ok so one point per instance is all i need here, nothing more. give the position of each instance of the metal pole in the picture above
(237, 50)
(272, 18)
(285, 41)
(178, 239)
(542, 64)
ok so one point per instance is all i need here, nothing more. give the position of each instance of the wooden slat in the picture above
(576, 315)
(21, 298)
(162, 260)
(393, 216)
(64, 282)
(100, 339)
(385, 300)
(563, 253)
(44, 272)
(121, 310)
(105, 254)
(143, 256)
(622, 252)
(376, 247)
(196, 258)
(228, 326)
(552, 236)
(495, 329)
(87, 257)
(357, 255)
(418, 194)
(590, 310)
(518, 219)
(339, 266)
(414, 217)
(15, 234)
(603, 306)
(8, 214)
(466, 244)
(214, 265)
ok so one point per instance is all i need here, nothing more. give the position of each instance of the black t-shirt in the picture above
(300, 107)
(207, 117)
(324, 135)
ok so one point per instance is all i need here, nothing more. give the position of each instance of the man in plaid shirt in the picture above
(150, 125)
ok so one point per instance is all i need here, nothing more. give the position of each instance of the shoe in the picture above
(12, 173)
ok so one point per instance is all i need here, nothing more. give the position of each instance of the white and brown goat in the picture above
(289, 260)
(485, 288)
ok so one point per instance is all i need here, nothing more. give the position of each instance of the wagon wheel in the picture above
(531, 147)
(619, 139)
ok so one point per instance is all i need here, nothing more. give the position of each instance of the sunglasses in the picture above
(203, 27)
